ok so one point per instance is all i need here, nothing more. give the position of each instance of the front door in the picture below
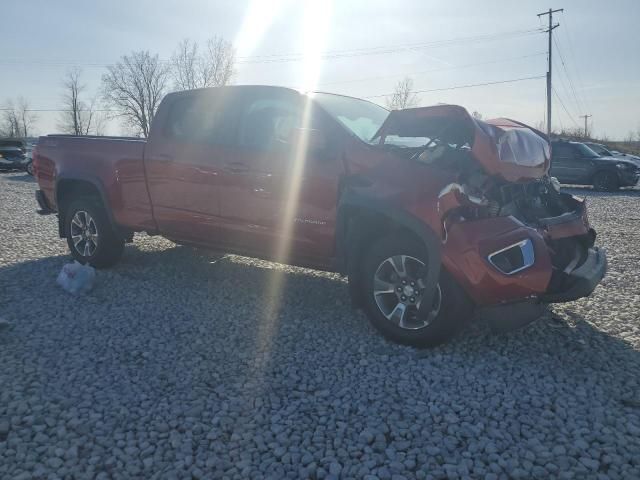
(278, 194)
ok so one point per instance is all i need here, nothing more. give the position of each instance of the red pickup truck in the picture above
(429, 211)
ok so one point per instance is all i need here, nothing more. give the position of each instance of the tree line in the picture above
(131, 89)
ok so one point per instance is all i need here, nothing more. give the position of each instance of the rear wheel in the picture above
(605, 181)
(90, 235)
(394, 272)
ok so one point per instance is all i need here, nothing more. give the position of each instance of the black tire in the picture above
(606, 181)
(108, 246)
(29, 168)
(454, 305)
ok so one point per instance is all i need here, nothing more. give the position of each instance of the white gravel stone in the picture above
(182, 363)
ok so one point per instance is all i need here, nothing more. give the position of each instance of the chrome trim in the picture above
(528, 255)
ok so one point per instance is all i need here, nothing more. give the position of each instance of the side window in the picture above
(201, 119)
(267, 123)
(562, 151)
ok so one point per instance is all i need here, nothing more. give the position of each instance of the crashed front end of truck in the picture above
(509, 236)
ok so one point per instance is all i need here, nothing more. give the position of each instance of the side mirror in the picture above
(308, 138)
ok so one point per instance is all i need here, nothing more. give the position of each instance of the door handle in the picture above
(262, 192)
(236, 167)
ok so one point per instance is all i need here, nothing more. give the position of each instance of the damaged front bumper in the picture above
(581, 281)
(503, 261)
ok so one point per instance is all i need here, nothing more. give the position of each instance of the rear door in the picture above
(183, 162)
(277, 198)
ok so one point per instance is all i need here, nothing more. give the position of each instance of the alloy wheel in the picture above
(84, 233)
(398, 289)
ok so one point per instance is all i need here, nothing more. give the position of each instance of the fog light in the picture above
(514, 258)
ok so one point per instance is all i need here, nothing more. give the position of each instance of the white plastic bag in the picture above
(76, 278)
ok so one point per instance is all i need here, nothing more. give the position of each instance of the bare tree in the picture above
(403, 96)
(134, 86)
(78, 117)
(17, 118)
(211, 66)
(99, 123)
(630, 137)
(10, 126)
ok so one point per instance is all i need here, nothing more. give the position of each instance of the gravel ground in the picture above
(183, 364)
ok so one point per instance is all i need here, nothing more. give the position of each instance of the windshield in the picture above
(599, 150)
(360, 117)
(585, 151)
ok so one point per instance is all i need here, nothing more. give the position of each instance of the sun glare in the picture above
(314, 31)
(259, 17)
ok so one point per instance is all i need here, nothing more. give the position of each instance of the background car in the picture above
(603, 151)
(575, 163)
(12, 155)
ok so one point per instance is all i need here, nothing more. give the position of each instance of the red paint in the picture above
(234, 198)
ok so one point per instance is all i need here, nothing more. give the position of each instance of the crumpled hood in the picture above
(504, 147)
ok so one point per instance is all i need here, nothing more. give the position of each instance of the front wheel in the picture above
(606, 181)
(394, 272)
(90, 235)
(29, 168)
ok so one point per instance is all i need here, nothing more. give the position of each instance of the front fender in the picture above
(361, 217)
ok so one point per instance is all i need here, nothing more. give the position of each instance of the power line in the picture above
(422, 72)
(487, 36)
(567, 91)
(565, 108)
(456, 87)
(571, 52)
(566, 72)
(57, 110)
(392, 49)
(295, 57)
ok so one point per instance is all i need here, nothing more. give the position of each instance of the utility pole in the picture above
(550, 31)
(585, 124)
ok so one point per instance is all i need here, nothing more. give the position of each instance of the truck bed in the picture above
(114, 164)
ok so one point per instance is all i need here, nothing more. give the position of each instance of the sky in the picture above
(358, 48)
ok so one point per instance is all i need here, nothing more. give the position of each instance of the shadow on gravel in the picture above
(224, 297)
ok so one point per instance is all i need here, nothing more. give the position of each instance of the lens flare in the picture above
(315, 30)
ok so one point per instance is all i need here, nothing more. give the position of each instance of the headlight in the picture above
(623, 165)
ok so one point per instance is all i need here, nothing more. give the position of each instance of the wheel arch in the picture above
(600, 170)
(70, 188)
(361, 219)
